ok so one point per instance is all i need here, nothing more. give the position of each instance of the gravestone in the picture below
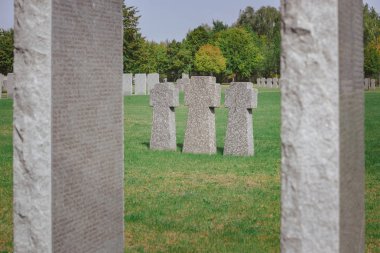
(373, 84)
(241, 98)
(366, 83)
(127, 84)
(164, 98)
(181, 83)
(185, 76)
(68, 127)
(258, 81)
(263, 82)
(152, 80)
(269, 82)
(201, 96)
(10, 85)
(275, 83)
(322, 127)
(140, 84)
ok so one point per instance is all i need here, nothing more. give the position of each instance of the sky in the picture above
(172, 19)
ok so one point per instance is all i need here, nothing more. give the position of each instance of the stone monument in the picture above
(269, 82)
(127, 84)
(164, 98)
(181, 83)
(185, 76)
(68, 127)
(241, 98)
(263, 82)
(201, 96)
(322, 127)
(140, 84)
(152, 80)
(366, 83)
(373, 84)
(258, 82)
(275, 83)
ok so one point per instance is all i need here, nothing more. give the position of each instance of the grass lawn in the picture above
(178, 202)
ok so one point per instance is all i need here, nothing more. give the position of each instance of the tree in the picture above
(239, 49)
(133, 44)
(6, 51)
(209, 59)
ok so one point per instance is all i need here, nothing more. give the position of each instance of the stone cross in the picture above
(269, 82)
(322, 131)
(127, 84)
(140, 84)
(68, 163)
(10, 83)
(275, 83)
(164, 98)
(373, 84)
(366, 83)
(152, 80)
(241, 98)
(263, 82)
(201, 96)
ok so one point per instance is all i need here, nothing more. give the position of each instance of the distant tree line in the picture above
(247, 49)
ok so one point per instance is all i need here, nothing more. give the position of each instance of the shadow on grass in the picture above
(219, 150)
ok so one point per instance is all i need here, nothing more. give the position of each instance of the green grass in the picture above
(178, 202)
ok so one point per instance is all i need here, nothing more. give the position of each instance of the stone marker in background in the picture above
(164, 98)
(263, 82)
(258, 81)
(2, 78)
(140, 84)
(152, 80)
(10, 85)
(127, 84)
(181, 83)
(373, 84)
(241, 98)
(322, 127)
(185, 76)
(201, 96)
(68, 127)
(269, 82)
(275, 83)
(366, 83)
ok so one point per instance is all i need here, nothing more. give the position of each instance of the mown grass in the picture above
(178, 202)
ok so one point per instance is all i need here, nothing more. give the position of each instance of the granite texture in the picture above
(201, 96)
(68, 127)
(322, 127)
(164, 98)
(240, 99)
(140, 84)
(152, 80)
(127, 84)
(10, 85)
(32, 133)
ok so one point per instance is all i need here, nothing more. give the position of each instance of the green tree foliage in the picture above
(209, 59)
(134, 48)
(242, 54)
(6, 51)
(371, 42)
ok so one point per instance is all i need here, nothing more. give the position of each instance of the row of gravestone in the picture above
(369, 84)
(268, 82)
(7, 85)
(202, 96)
(144, 83)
